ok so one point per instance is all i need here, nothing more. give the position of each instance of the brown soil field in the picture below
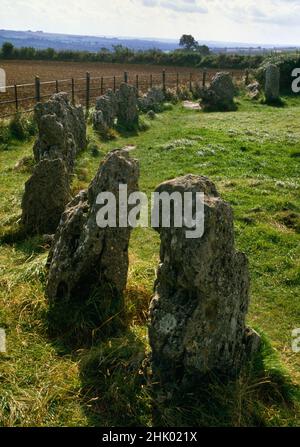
(24, 72)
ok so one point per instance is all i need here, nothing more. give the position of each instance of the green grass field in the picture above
(253, 156)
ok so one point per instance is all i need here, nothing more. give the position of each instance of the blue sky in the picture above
(264, 21)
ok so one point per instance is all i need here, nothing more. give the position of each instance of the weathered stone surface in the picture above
(62, 130)
(220, 94)
(272, 83)
(152, 100)
(127, 97)
(46, 194)
(105, 112)
(197, 316)
(253, 90)
(88, 260)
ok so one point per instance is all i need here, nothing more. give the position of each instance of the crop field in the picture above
(253, 156)
(20, 77)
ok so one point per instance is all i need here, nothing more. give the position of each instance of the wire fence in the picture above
(21, 98)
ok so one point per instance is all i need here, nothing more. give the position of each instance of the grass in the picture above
(253, 156)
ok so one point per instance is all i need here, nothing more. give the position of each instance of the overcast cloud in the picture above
(267, 21)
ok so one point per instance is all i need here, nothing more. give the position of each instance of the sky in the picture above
(251, 21)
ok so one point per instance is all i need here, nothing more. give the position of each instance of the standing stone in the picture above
(62, 130)
(220, 94)
(46, 194)
(253, 90)
(86, 260)
(128, 116)
(105, 112)
(272, 83)
(197, 316)
(153, 100)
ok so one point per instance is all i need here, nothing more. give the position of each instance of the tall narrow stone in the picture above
(128, 114)
(86, 260)
(272, 83)
(197, 316)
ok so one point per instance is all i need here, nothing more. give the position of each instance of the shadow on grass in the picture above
(23, 242)
(117, 391)
(80, 323)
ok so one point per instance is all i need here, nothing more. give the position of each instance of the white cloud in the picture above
(267, 21)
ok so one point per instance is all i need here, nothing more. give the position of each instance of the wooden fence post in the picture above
(87, 99)
(204, 78)
(114, 84)
(151, 80)
(177, 81)
(126, 77)
(137, 82)
(56, 86)
(16, 97)
(37, 89)
(102, 86)
(164, 81)
(190, 82)
(73, 90)
(247, 77)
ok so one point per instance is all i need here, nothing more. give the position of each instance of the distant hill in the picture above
(41, 40)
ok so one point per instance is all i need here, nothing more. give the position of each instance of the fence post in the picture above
(37, 89)
(87, 99)
(137, 82)
(151, 80)
(164, 80)
(204, 78)
(73, 91)
(101, 86)
(16, 97)
(125, 77)
(190, 83)
(56, 86)
(114, 84)
(247, 77)
(177, 81)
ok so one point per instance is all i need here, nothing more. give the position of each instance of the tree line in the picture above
(191, 54)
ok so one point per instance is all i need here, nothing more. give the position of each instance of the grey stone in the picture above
(105, 112)
(62, 130)
(253, 90)
(197, 316)
(46, 194)
(220, 94)
(152, 101)
(85, 259)
(272, 83)
(127, 114)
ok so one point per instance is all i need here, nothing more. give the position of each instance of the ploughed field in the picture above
(253, 156)
(24, 72)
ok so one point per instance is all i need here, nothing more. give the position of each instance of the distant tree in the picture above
(203, 50)
(7, 50)
(188, 42)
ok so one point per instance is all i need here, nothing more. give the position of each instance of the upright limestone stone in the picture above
(86, 260)
(272, 83)
(105, 112)
(46, 194)
(62, 130)
(219, 96)
(197, 316)
(128, 114)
